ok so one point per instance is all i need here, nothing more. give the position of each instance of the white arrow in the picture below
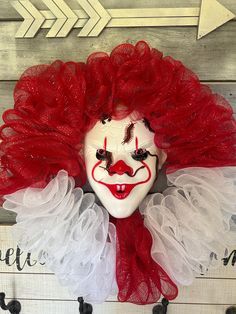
(28, 19)
(71, 18)
(212, 15)
(104, 18)
(60, 18)
(94, 17)
(38, 18)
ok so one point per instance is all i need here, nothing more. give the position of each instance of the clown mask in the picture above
(121, 163)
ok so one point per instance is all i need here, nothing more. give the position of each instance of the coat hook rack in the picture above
(14, 306)
(161, 308)
(84, 308)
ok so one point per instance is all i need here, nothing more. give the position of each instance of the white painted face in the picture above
(121, 163)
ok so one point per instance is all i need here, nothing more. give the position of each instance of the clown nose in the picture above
(120, 167)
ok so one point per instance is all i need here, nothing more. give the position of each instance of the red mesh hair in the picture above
(140, 280)
(56, 104)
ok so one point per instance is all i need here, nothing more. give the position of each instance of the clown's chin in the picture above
(118, 204)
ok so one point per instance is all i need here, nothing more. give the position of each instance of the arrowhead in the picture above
(104, 18)
(98, 18)
(212, 15)
(28, 19)
(38, 19)
(60, 18)
(93, 18)
(72, 18)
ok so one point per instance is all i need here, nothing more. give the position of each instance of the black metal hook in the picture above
(84, 308)
(161, 309)
(14, 306)
(231, 310)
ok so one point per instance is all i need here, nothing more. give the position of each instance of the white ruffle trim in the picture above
(70, 234)
(192, 222)
(191, 225)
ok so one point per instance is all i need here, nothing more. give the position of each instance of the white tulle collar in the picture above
(190, 223)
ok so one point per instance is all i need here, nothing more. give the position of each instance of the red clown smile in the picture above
(120, 191)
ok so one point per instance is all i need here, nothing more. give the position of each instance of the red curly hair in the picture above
(56, 104)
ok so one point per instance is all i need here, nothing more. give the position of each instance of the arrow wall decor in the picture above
(93, 17)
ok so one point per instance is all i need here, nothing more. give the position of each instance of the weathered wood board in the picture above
(14, 260)
(36, 285)
(213, 58)
(7, 12)
(201, 57)
(71, 307)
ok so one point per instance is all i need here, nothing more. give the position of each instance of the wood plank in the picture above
(200, 56)
(62, 307)
(46, 286)
(8, 12)
(7, 217)
(13, 260)
(153, 21)
(154, 12)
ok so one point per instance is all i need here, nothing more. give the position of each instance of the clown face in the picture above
(121, 163)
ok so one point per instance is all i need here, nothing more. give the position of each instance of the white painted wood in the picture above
(154, 12)
(28, 19)
(37, 16)
(212, 16)
(22, 262)
(17, 261)
(71, 18)
(46, 286)
(105, 17)
(60, 18)
(8, 12)
(50, 19)
(131, 18)
(82, 18)
(93, 18)
(155, 21)
(71, 307)
(39, 286)
(37, 283)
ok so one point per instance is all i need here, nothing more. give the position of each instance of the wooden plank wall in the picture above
(213, 58)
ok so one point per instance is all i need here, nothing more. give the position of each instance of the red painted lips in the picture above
(120, 191)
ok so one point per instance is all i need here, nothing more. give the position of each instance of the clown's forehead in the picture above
(120, 134)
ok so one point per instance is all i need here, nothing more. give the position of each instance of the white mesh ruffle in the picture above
(192, 221)
(70, 234)
(191, 224)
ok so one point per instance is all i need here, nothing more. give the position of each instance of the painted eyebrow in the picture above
(129, 130)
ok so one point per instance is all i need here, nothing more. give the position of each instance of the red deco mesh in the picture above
(140, 280)
(56, 104)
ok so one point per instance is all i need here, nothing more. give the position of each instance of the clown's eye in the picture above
(140, 154)
(101, 154)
